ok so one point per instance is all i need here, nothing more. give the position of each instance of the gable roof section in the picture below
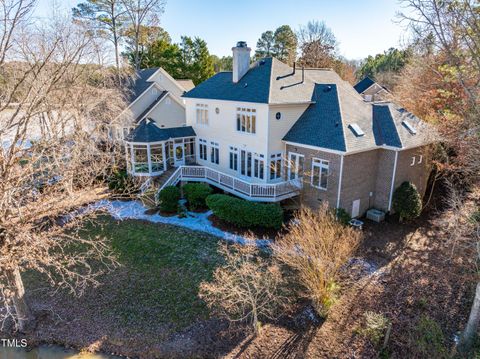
(363, 85)
(148, 131)
(321, 123)
(384, 128)
(152, 105)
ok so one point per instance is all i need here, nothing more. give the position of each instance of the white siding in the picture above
(168, 113)
(279, 128)
(222, 128)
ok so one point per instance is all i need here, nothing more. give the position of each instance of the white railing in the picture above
(268, 192)
(174, 178)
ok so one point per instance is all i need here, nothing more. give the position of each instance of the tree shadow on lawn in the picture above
(143, 306)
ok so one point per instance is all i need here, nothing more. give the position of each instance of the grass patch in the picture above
(161, 267)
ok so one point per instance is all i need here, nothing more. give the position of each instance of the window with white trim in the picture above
(413, 161)
(214, 153)
(233, 156)
(202, 114)
(202, 149)
(258, 166)
(319, 173)
(276, 166)
(420, 159)
(246, 120)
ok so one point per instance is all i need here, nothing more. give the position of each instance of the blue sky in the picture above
(362, 28)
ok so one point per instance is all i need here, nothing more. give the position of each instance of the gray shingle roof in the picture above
(148, 131)
(384, 127)
(253, 86)
(321, 123)
(270, 81)
(140, 83)
(363, 85)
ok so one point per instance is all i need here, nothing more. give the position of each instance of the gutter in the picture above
(340, 181)
(393, 182)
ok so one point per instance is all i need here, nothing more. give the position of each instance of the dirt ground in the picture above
(417, 276)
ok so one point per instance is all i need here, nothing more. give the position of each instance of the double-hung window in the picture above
(233, 158)
(319, 173)
(202, 149)
(275, 166)
(246, 120)
(202, 114)
(214, 153)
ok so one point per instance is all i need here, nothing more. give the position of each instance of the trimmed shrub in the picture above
(245, 214)
(196, 194)
(169, 197)
(343, 217)
(407, 202)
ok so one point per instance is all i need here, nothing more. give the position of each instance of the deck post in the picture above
(164, 157)
(149, 159)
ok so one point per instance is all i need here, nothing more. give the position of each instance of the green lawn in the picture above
(155, 288)
(165, 267)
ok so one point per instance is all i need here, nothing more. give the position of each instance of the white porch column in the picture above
(149, 159)
(164, 157)
(132, 158)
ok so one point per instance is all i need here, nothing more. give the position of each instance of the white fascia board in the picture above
(167, 75)
(315, 148)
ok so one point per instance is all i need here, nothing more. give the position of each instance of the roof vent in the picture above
(262, 62)
(356, 129)
(245, 84)
(327, 89)
(409, 127)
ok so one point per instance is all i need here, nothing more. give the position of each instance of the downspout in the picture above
(393, 181)
(340, 182)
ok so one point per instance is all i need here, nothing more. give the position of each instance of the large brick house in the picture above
(269, 132)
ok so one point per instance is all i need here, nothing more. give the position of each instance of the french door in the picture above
(295, 166)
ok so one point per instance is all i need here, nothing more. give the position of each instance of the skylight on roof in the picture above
(356, 129)
(409, 127)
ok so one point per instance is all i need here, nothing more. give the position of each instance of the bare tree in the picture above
(449, 64)
(55, 154)
(317, 44)
(247, 288)
(141, 13)
(315, 248)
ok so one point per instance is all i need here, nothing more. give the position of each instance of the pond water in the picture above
(49, 352)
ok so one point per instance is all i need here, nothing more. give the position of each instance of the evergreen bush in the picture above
(245, 214)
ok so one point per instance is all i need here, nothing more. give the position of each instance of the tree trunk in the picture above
(468, 335)
(24, 315)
